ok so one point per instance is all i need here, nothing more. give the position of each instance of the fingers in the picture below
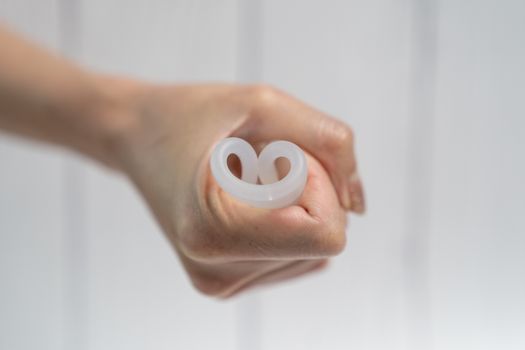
(229, 279)
(225, 279)
(276, 115)
(234, 231)
(287, 272)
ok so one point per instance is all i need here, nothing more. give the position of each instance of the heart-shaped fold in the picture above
(272, 192)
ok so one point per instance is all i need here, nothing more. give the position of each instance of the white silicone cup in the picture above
(272, 193)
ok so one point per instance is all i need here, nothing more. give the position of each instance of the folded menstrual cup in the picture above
(271, 192)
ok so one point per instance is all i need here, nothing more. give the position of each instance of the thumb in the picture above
(276, 115)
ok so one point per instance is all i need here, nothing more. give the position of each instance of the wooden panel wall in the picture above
(31, 212)
(478, 235)
(351, 59)
(434, 91)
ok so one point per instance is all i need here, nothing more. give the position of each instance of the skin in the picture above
(161, 136)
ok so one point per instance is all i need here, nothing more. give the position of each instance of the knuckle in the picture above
(211, 285)
(336, 136)
(336, 243)
(330, 239)
(263, 94)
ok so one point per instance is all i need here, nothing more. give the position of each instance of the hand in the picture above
(161, 137)
(165, 136)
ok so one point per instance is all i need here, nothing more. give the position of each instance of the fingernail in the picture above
(356, 194)
(345, 198)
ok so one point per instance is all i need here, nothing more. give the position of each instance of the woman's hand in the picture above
(163, 136)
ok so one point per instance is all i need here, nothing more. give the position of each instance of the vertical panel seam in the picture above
(419, 176)
(75, 264)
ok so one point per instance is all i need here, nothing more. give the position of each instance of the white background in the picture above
(435, 90)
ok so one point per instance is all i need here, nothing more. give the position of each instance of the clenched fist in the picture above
(165, 136)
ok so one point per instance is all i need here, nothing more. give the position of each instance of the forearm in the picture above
(46, 97)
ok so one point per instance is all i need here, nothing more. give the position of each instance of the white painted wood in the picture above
(164, 40)
(478, 236)
(138, 296)
(31, 214)
(351, 59)
(83, 264)
(37, 19)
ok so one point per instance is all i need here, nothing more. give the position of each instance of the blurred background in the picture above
(435, 91)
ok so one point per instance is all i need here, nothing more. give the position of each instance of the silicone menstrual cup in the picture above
(271, 192)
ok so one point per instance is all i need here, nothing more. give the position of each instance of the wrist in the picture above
(110, 115)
